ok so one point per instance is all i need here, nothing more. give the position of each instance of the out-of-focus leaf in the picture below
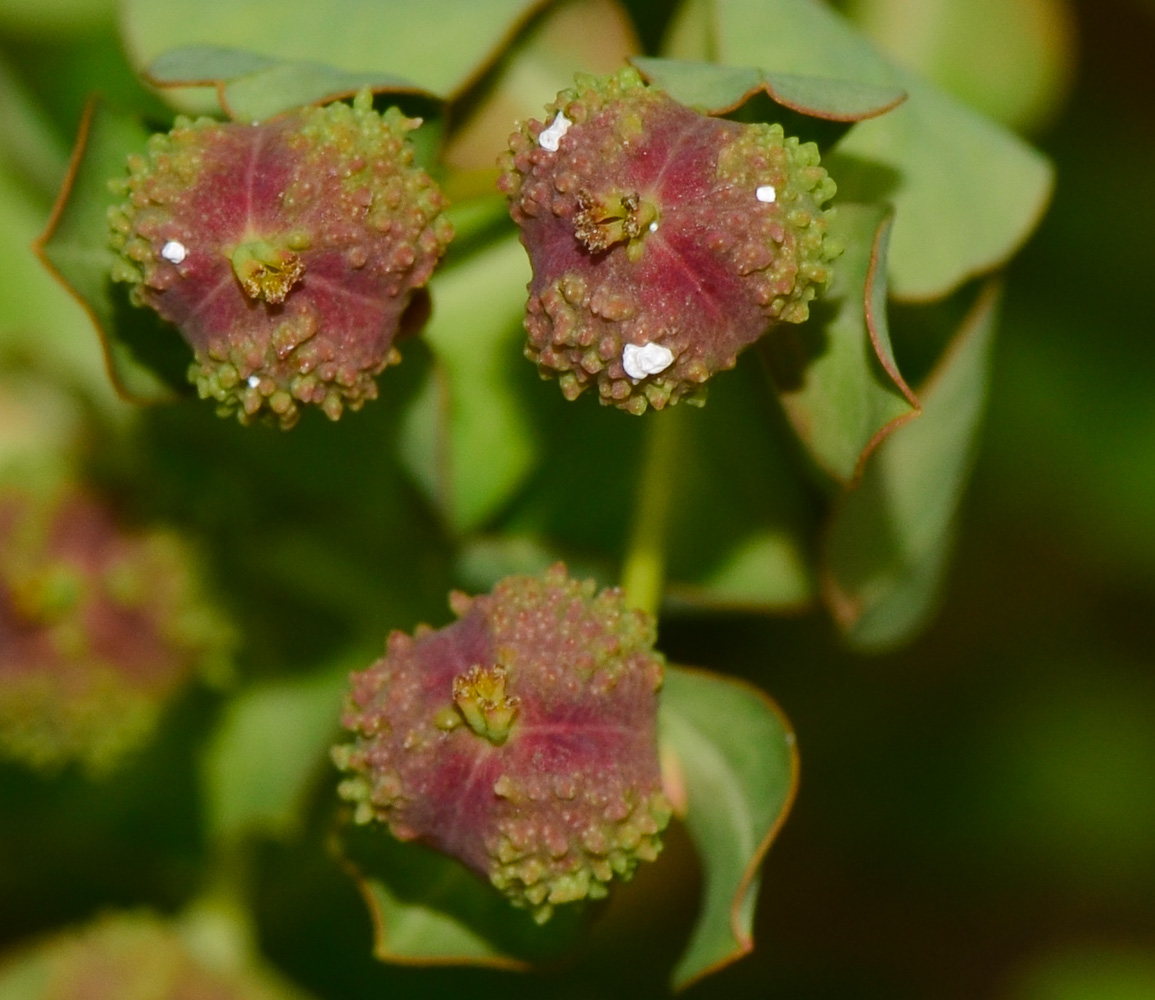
(1010, 59)
(437, 44)
(146, 357)
(266, 752)
(253, 87)
(966, 192)
(428, 909)
(716, 89)
(733, 766)
(740, 526)
(33, 303)
(31, 149)
(836, 374)
(590, 36)
(60, 17)
(467, 439)
(889, 539)
(1087, 972)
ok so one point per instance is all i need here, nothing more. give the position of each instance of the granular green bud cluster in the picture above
(663, 241)
(519, 739)
(286, 252)
(98, 628)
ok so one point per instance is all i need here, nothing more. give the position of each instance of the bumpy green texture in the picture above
(286, 252)
(98, 628)
(135, 957)
(520, 739)
(663, 241)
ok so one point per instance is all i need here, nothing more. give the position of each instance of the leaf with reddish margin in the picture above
(716, 90)
(966, 191)
(836, 374)
(733, 767)
(888, 542)
(253, 87)
(429, 909)
(146, 358)
(437, 44)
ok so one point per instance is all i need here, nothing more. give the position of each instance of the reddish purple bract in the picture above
(286, 251)
(520, 739)
(663, 241)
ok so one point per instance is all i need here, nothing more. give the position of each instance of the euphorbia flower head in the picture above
(99, 626)
(520, 739)
(136, 956)
(285, 251)
(663, 241)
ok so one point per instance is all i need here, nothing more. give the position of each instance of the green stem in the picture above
(644, 569)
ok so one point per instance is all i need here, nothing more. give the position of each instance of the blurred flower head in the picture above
(99, 627)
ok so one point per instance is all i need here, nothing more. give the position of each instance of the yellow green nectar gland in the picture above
(266, 270)
(481, 698)
(624, 217)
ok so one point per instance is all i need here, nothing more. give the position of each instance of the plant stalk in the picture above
(644, 568)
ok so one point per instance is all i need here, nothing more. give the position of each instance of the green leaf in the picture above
(252, 87)
(467, 438)
(889, 540)
(966, 192)
(732, 753)
(31, 150)
(439, 45)
(267, 751)
(836, 374)
(741, 527)
(1010, 59)
(588, 36)
(146, 357)
(717, 90)
(428, 909)
(32, 302)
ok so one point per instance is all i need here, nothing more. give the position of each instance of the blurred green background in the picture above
(977, 811)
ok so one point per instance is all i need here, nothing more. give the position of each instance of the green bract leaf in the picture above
(146, 357)
(889, 540)
(966, 192)
(734, 760)
(253, 87)
(270, 745)
(717, 90)
(428, 909)
(438, 44)
(740, 525)
(1011, 59)
(836, 374)
(467, 439)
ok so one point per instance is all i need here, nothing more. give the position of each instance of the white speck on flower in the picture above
(254, 381)
(640, 360)
(549, 137)
(174, 251)
(766, 193)
(654, 226)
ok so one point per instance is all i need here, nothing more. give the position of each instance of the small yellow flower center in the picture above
(265, 270)
(623, 217)
(481, 698)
